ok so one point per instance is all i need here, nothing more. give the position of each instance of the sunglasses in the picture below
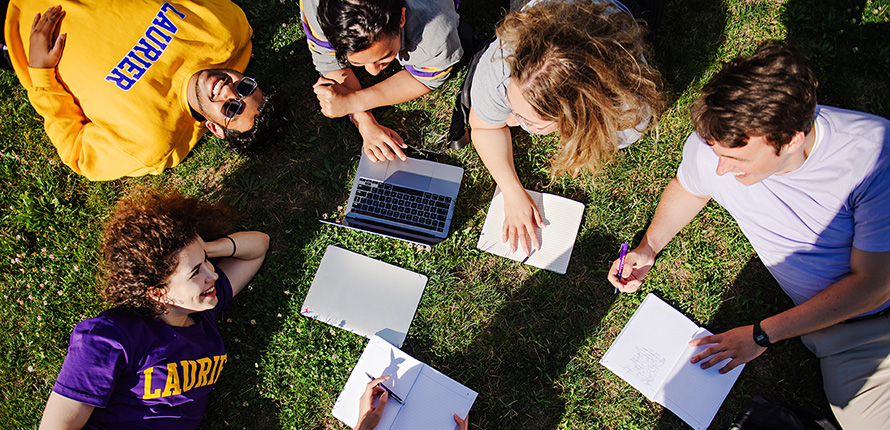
(244, 88)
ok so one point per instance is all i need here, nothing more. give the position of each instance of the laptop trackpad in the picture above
(408, 179)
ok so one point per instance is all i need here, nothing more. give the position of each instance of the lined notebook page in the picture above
(562, 218)
(652, 354)
(379, 358)
(430, 398)
(647, 349)
(696, 394)
(433, 401)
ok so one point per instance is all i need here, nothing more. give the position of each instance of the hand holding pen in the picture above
(368, 413)
(627, 272)
(385, 388)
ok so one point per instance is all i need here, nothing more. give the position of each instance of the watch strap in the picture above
(760, 336)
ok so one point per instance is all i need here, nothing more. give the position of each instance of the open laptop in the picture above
(410, 200)
(364, 295)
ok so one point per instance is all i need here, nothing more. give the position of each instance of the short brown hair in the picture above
(772, 94)
(143, 239)
(582, 65)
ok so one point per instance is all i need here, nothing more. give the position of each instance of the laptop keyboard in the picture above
(401, 204)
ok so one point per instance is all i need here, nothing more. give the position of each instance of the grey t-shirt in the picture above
(488, 92)
(430, 43)
(803, 224)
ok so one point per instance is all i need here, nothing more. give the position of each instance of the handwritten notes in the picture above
(652, 354)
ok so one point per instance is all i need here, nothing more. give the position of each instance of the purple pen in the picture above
(621, 255)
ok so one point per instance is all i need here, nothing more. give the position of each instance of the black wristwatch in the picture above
(760, 336)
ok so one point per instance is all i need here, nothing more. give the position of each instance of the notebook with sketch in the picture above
(363, 295)
(411, 200)
(562, 218)
(651, 353)
(429, 398)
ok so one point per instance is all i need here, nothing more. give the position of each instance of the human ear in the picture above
(159, 294)
(402, 22)
(797, 142)
(216, 129)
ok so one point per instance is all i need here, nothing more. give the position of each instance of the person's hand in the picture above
(45, 50)
(521, 217)
(737, 344)
(333, 98)
(462, 423)
(636, 265)
(379, 142)
(369, 414)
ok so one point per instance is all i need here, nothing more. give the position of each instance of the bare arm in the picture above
(495, 147)
(62, 413)
(250, 251)
(379, 142)
(395, 89)
(676, 208)
(863, 289)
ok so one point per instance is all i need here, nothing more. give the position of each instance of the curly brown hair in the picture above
(143, 239)
(581, 64)
(771, 93)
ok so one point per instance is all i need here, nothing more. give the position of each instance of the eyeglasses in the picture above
(244, 88)
(524, 123)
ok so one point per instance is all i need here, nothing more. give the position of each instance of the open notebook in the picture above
(429, 398)
(562, 218)
(652, 354)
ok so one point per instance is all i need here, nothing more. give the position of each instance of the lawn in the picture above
(529, 341)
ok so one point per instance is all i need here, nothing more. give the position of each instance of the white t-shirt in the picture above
(803, 224)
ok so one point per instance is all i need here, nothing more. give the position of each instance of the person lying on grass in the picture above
(373, 400)
(152, 360)
(575, 68)
(421, 35)
(127, 88)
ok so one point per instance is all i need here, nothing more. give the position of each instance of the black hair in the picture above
(354, 25)
(266, 125)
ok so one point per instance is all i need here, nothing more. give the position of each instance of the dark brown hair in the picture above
(772, 94)
(581, 64)
(143, 239)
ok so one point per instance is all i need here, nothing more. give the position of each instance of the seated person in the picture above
(133, 91)
(809, 186)
(370, 407)
(420, 34)
(153, 359)
(576, 68)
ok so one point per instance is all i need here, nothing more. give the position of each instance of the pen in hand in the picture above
(621, 255)
(385, 388)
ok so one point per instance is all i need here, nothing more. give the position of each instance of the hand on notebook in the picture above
(636, 265)
(368, 413)
(737, 344)
(521, 218)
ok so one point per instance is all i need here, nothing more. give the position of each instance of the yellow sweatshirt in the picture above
(116, 104)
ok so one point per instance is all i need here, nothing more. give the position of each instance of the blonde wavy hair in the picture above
(580, 64)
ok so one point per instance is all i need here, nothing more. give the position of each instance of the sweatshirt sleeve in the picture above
(83, 146)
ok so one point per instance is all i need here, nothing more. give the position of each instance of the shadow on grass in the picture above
(845, 41)
(787, 372)
(516, 362)
(687, 42)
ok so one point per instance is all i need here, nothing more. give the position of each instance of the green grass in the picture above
(529, 341)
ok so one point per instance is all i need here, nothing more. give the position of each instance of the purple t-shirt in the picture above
(141, 373)
(803, 224)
